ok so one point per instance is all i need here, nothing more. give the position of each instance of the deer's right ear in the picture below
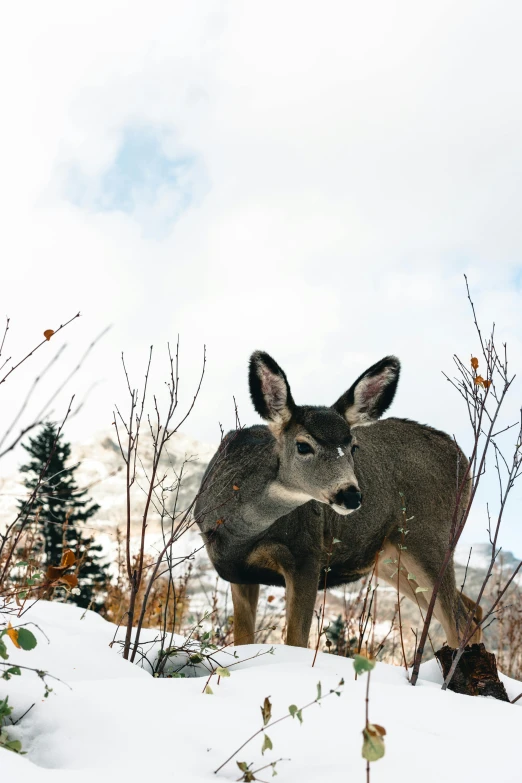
(371, 394)
(269, 389)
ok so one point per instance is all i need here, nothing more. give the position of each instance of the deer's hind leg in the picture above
(244, 598)
(451, 609)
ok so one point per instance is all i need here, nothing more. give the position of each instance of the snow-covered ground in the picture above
(114, 721)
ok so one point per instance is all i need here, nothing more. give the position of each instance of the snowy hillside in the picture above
(110, 720)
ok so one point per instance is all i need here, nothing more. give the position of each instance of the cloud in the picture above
(149, 179)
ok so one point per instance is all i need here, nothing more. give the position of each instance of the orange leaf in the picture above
(48, 334)
(479, 381)
(68, 559)
(13, 635)
(270, 598)
(219, 521)
(235, 487)
(474, 362)
(70, 580)
(487, 384)
(53, 573)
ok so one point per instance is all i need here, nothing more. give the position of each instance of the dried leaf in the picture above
(70, 580)
(421, 589)
(13, 635)
(48, 334)
(270, 598)
(235, 487)
(373, 742)
(267, 744)
(68, 559)
(479, 381)
(474, 362)
(248, 775)
(266, 710)
(53, 573)
(487, 384)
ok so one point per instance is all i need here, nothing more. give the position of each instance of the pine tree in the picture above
(63, 509)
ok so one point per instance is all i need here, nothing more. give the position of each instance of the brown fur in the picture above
(279, 509)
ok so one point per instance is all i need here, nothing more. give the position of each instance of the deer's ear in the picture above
(371, 394)
(269, 389)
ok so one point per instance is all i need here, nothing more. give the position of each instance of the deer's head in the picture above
(316, 445)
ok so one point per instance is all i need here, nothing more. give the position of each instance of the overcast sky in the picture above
(311, 179)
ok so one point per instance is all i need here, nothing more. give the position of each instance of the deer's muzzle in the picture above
(349, 498)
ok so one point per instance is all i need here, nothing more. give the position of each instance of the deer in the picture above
(275, 497)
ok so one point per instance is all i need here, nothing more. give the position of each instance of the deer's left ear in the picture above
(371, 394)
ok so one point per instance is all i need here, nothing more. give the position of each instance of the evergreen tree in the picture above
(63, 510)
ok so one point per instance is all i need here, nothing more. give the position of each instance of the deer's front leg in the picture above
(301, 594)
(244, 598)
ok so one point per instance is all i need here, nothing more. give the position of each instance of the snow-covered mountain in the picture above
(101, 470)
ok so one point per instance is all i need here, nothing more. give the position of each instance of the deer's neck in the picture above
(274, 500)
(244, 487)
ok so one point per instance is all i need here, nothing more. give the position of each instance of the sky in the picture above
(312, 180)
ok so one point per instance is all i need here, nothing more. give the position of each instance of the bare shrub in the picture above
(483, 384)
(153, 492)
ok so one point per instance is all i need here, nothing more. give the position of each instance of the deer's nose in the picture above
(349, 498)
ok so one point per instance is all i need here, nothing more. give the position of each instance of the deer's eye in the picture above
(303, 448)
(355, 448)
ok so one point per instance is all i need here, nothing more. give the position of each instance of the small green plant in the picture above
(5, 742)
(23, 639)
(327, 569)
(223, 671)
(249, 774)
(266, 714)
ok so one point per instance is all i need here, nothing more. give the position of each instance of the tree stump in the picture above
(476, 673)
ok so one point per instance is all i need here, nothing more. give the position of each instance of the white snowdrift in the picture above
(119, 723)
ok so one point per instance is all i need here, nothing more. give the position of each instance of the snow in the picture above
(114, 721)
(480, 557)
